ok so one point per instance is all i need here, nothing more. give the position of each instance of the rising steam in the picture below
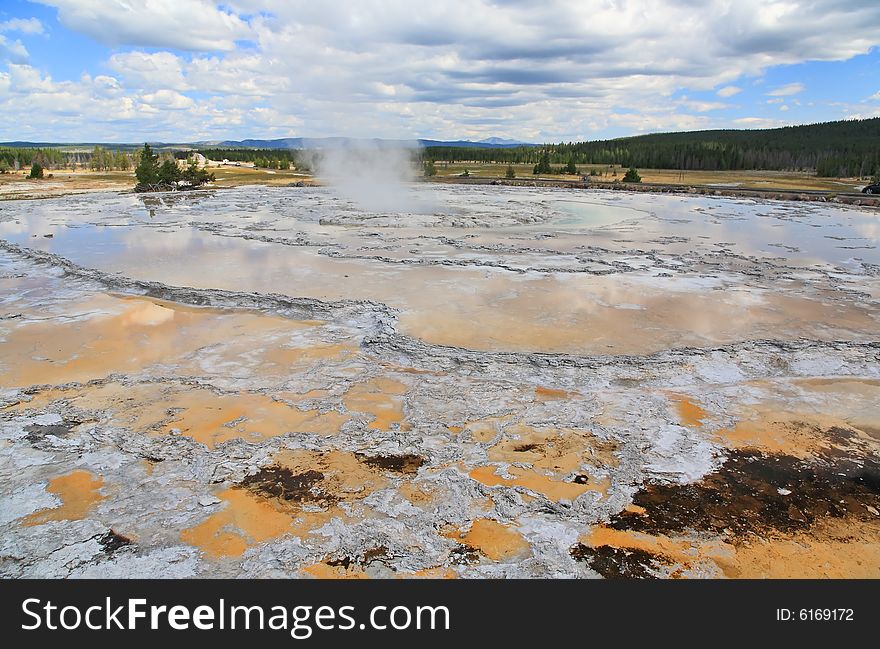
(374, 175)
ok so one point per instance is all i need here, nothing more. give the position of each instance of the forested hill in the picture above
(845, 148)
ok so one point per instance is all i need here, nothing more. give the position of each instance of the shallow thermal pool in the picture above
(500, 268)
(482, 382)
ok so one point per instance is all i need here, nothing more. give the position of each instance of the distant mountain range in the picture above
(287, 143)
(324, 142)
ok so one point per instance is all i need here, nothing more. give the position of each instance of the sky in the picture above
(548, 71)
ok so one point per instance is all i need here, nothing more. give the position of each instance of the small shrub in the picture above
(632, 176)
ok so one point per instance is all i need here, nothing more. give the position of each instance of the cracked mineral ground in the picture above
(493, 382)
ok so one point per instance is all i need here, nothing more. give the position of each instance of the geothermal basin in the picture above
(487, 382)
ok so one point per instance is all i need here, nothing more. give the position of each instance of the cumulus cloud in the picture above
(700, 106)
(23, 25)
(168, 100)
(159, 70)
(787, 90)
(728, 91)
(758, 122)
(12, 51)
(560, 69)
(195, 25)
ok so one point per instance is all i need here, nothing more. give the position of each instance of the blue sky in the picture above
(183, 70)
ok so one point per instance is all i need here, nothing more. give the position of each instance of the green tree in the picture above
(191, 173)
(169, 173)
(121, 161)
(195, 176)
(36, 171)
(147, 170)
(102, 159)
(430, 169)
(466, 173)
(510, 173)
(571, 167)
(543, 166)
(632, 176)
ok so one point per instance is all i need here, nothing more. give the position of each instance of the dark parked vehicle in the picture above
(872, 189)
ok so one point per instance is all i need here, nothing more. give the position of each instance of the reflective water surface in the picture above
(500, 268)
(714, 413)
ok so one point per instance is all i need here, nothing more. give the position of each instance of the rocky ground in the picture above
(482, 382)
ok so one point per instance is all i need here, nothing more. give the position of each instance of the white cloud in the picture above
(23, 25)
(758, 122)
(728, 91)
(658, 121)
(149, 70)
(787, 90)
(701, 106)
(167, 99)
(561, 69)
(12, 51)
(195, 25)
(783, 108)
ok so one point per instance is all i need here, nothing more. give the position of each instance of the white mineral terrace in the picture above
(492, 382)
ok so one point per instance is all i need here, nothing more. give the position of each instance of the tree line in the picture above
(98, 159)
(264, 158)
(841, 149)
(15, 158)
(102, 159)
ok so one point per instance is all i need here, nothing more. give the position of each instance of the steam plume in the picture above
(373, 175)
